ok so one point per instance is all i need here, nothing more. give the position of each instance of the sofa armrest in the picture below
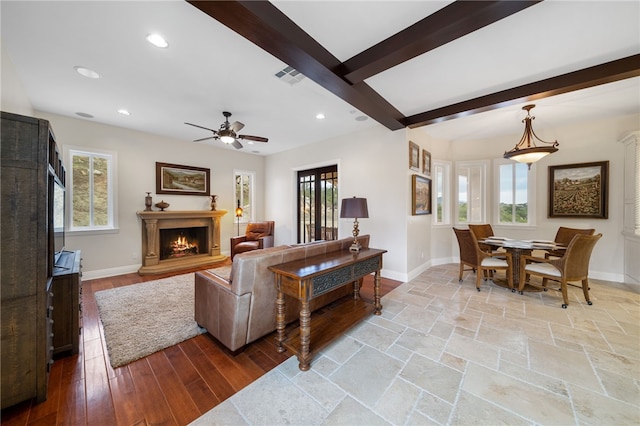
(238, 239)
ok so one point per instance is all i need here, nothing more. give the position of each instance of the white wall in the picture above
(372, 163)
(137, 153)
(14, 98)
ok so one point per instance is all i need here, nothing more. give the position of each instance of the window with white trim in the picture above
(243, 190)
(515, 189)
(471, 177)
(441, 172)
(91, 189)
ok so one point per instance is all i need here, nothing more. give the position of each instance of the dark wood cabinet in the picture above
(29, 160)
(66, 288)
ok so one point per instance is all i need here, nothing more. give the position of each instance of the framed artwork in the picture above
(414, 156)
(182, 180)
(426, 162)
(420, 195)
(579, 190)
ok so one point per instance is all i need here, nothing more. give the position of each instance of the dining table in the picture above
(517, 248)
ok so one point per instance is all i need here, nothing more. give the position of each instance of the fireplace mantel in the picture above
(154, 221)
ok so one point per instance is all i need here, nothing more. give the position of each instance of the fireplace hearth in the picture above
(177, 240)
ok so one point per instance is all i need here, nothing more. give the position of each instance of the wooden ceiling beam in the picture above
(447, 24)
(588, 77)
(266, 26)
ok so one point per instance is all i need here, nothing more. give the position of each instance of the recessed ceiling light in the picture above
(320, 116)
(123, 111)
(86, 72)
(84, 115)
(362, 118)
(157, 40)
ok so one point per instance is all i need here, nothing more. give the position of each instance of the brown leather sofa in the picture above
(242, 309)
(258, 235)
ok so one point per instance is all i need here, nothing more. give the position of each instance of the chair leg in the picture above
(479, 276)
(585, 290)
(565, 296)
(544, 284)
(461, 270)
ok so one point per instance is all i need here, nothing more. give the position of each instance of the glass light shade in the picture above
(530, 155)
(227, 139)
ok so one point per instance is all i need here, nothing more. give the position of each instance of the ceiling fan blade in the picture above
(253, 138)
(206, 128)
(236, 144)
(236, 126)
(204, 139)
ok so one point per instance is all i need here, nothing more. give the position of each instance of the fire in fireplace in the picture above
(181, 242)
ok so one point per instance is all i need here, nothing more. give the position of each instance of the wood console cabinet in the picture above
(30, 163)
(66, 289)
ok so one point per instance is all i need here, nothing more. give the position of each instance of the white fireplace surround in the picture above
(154, 221)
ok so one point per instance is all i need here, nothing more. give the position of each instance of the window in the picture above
(318, 204)
(471, 191)
(244, 193)
(92, 190)
(516, 193)
(442, 192)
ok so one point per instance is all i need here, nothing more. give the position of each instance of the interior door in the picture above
(318, 204)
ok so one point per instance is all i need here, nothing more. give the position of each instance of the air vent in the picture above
(290, 75)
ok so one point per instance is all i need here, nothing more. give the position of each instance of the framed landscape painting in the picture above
(579, 190)
(426, 162)
(414, 156)
(420, 195)
(182, 180)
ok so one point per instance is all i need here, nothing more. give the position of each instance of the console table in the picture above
(306, 279)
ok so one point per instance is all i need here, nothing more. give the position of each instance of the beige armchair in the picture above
(258, 235)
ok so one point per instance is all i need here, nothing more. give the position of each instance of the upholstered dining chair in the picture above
(564, 237)
(572, 266)
(481, 232)
(480, 261)
(257, 235)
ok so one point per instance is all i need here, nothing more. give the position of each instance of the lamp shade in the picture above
(354, 208)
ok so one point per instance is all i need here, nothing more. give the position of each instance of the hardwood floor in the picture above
(173, 387)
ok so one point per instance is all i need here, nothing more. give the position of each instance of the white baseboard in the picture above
(110, 272)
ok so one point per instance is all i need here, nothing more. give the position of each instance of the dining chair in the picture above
(572, 266)
(482, 232)
(481, 262)
(564, 237)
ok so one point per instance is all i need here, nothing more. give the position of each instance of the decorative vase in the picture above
(162, 205)
(148, 201)
(214, 200)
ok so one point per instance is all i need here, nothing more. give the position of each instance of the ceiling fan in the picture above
(228, 133)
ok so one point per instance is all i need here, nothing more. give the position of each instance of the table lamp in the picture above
(354, 208)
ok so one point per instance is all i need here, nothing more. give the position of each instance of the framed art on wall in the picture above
(182, 180)
(420, 195)
(426, 162)
(579, 190)
(414, 156)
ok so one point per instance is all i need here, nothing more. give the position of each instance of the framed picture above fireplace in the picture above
(182, 180)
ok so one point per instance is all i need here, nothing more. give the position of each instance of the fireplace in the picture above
(176, 240)
(180, 242)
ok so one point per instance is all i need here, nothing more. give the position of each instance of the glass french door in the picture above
(318, 204)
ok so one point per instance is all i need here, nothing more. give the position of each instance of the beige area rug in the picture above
(144, 318)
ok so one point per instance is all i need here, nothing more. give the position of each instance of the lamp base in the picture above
(355, 247)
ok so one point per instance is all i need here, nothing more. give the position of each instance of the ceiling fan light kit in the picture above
(228, 133)
(526, 151)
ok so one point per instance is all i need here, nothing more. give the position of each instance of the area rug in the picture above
(144, 318)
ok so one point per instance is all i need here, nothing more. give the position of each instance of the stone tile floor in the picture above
(444, 353)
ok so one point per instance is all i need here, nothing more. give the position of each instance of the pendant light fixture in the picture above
(526, 151)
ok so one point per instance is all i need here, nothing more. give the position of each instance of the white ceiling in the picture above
(208, 68)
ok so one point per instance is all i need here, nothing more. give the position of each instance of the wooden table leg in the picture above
(280, 323)
(376, 293)
(304, 358)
